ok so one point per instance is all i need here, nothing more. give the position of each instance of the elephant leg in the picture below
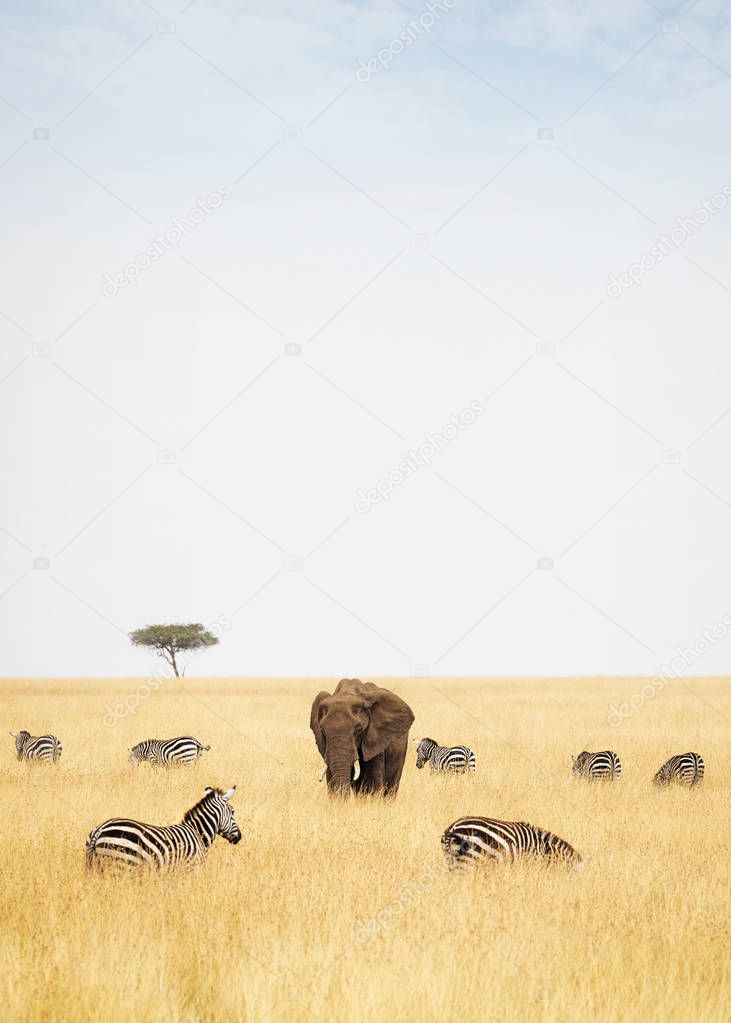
(394, 756)
(372, 775)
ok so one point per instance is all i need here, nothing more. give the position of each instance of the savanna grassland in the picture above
(342, 910)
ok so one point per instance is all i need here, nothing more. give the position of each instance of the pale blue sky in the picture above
(418, 235)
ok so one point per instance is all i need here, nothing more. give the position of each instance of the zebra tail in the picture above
(90, 849)
(57, 750)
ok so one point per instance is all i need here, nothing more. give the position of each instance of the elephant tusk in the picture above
(356, 770)
(322, 773)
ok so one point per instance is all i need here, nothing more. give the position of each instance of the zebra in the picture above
(131, 843)
(685, 769)
(471, 839)
(457, 759)
(46, 748)
(604, 765)
(183, 750)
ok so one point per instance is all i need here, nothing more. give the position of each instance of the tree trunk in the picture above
(170, 651)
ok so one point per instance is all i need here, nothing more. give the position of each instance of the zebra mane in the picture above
(209, 795)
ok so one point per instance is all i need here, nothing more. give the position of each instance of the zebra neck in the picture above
(205, 833)
(203, 826)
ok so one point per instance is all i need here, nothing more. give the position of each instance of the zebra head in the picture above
(219, 810)
(555, 847)
(20, 740)
(140, 753)
(456, 849)
(423, 751)
(578, 762)
(135, 754)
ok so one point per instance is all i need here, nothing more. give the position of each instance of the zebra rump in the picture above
(457, 759)
(603, 765)
(685, 769)
(183, 750)
(128, 843)
(471, 839)
(46, 748)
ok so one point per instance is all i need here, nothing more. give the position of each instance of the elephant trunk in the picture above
(341, 758)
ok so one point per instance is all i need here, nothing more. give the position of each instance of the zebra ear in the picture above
(227, 795)
(207, 789)
(14, 735)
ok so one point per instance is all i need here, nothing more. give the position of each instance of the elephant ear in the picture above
(391, 718)
(314, 723)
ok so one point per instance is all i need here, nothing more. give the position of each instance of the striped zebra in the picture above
(471, 839)
(604, 765)
(131, 843)
(458, 759)
(46, 748)
(685, 769)
(183, 750)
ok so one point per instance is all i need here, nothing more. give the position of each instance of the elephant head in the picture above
(361, 732)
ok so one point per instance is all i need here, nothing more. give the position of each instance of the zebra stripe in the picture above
(685, 769)
(46, 748)
(471, 839)
(603, 765)
(458, 759)
(131, 843)
(183, 750)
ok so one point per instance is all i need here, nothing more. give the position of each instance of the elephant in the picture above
(362, 733)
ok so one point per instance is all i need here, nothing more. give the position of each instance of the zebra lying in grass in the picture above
(471, 839)
(46, 748)
(183, 750)
(458, 759)
(604, 765)
(131, 843)
(685, 769)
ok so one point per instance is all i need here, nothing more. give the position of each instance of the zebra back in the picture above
(184, 749)
(46, 748)
(444, 758)
(470, 839)
(605, 764)
(684, 769)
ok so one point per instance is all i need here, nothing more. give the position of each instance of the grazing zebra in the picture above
(46, 748)
(184, 750)
(685, 769)
(130, 843)
(604, 765)
(470, 839)
(458, 759)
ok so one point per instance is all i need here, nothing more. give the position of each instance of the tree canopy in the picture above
(170, 640)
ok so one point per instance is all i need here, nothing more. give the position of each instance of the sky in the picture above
(393, 336)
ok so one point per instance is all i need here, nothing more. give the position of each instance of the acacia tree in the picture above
(169, 640)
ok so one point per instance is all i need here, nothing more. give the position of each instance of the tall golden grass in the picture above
(331, 910)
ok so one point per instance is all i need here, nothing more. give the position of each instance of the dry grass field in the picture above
(342, 910)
